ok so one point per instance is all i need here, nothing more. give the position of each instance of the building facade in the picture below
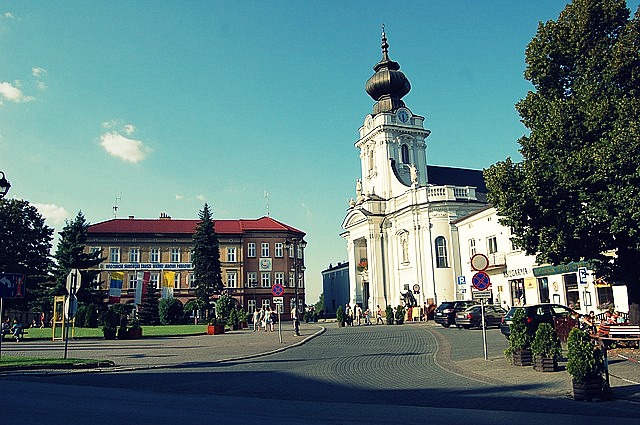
(517, 279)
(254, 256)
(335, 287)
(398, 227)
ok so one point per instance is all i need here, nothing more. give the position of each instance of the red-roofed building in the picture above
(253, 254)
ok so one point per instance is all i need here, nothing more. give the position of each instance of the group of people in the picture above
(355, 316)
(264, 319)
(15, 329)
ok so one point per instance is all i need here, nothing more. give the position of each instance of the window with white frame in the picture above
(472, 247)
(134, 255)
(252, 279)
(279, 278)
(299, 251)
(291, 279)
(154, 255)
(175, 255)
(266, 304)
(251, 249)
(231, 254)
(264, 250)
(251, 306)
(265, 279)
(232, 279)
(291, 251)
(114, 255)
(492, 245)
(133, 280)
(300, 280)
(192, 280)
(155, 280)
(279, 250)
(442, 258)
(176, 280)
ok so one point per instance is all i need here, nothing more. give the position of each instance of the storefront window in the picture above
(571, 290)
(517, 292)
(543, 289)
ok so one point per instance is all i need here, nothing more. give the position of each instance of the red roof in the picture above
(169, 225)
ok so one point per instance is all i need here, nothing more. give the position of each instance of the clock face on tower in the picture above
(403, 115)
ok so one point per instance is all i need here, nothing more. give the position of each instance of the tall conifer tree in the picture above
(206, 258)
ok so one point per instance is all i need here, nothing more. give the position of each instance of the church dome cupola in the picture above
(388, 85)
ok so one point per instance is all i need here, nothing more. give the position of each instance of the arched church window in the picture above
(405, 248)
(442, 259)
(405, 154)
(371, 161)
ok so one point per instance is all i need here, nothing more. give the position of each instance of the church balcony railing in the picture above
(452, 193)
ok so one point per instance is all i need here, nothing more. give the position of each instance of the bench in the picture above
(602, 317)
(609, 333)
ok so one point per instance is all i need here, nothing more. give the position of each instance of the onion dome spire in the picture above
(388, 85)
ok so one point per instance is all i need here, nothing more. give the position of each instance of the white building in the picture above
(398, 228)
(516, 278)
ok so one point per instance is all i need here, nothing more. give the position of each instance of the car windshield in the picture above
(446, 305)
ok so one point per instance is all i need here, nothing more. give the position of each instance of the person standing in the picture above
(358, 314)
(256, 320)
(379, 320)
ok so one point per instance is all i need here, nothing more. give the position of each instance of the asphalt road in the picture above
(373, 374)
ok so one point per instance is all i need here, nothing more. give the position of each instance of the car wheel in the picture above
(446, 325)
(466, 326)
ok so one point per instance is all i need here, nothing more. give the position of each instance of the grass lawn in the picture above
(13, 362)
(166, 330)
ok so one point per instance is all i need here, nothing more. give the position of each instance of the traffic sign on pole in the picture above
(481, 281)
(74, 273)
(479, 262)
(277, 290)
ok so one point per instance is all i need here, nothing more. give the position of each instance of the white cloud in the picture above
(12, 93)
(129, 150)
(179, 197)
(8, 15)
(38, 72)
(200, 197)
(128, 129)
(52, 213)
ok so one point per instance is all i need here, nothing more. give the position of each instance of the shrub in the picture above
(388, 312)
(340, 315)
(224, 305)
(519, 338)
(400, 314)
(170, 311)
(91, 317)
(584, 359)
(80, 316)
(545, 342)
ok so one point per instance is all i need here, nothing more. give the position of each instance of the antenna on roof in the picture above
(115, 206)
(266, 197)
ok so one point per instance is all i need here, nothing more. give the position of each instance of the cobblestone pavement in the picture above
(421, 365)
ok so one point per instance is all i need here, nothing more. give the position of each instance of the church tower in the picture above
(392, 139)
(401, 243)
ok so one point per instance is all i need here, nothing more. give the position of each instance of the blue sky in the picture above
(170, 104)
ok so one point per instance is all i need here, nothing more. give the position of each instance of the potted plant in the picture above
(232, 319)
(585, 364)
(135, 330)
(519, 350)
(400, 314)
(363, 265)
(215, 327)
(110, 321)
(340, 316)
(242, 319)
(388, 313)
(546, 349)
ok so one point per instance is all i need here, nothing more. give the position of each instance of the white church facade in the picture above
(398, 228)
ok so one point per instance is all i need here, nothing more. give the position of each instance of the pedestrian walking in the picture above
(256, 320)
(358, 314)
(379, 320)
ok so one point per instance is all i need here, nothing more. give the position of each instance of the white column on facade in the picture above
(351, 252)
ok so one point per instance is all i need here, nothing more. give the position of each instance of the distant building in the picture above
(398, 227)
(335, 287)
(253, 255)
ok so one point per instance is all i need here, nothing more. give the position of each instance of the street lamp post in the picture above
(4, 185)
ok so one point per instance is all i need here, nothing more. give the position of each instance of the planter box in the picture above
(109, 333)
(591, 388)
(545, 364)
(215, 329)
(522, 358)
(134, 333)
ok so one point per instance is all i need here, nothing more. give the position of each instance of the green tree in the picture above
(148, 311)
(206, 258)
(26, 246)
(319, 306)
(70, 254)
(170, 311)
(576, 193)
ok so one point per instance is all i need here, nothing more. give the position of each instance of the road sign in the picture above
(12, 285)
(479, 262)
(582, 275)
(278, 300)
(277, 290)
(481, 281)
(71, 306)
(481, 294)
(462, 280)
(72, 273)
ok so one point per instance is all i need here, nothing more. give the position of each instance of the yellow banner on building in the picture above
(168, 278)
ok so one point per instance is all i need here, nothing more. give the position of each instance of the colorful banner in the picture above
(115, 287)
(167, 284)
(138, 295)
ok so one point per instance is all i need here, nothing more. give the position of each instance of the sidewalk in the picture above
(624, 374)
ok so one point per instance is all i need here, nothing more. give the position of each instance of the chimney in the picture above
(164, 216)
(131, 217)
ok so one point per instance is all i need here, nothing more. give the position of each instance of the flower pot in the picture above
(522, 357)
(109, 333)
(592, 387)
(134, 333)
(545, 364)
(215, 329)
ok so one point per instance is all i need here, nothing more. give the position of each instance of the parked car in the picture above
(536, 314)
(472, 316)
(445, 314)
